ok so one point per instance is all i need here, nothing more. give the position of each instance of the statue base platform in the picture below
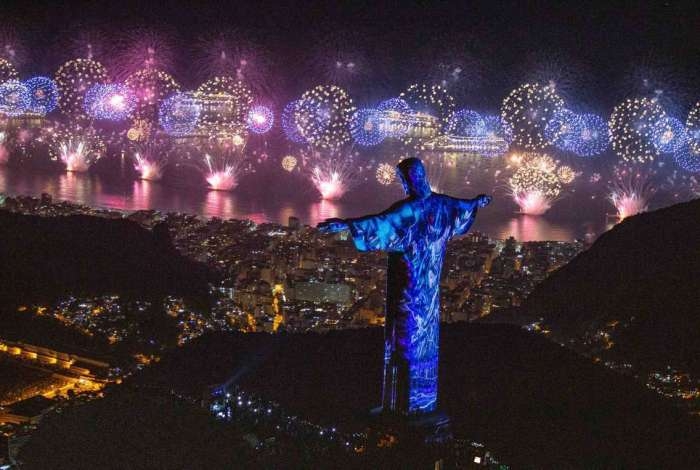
(425, 439)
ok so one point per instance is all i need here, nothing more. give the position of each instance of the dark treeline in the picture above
(644, 273)
(534, 403)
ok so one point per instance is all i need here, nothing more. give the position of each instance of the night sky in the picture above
(597, 53)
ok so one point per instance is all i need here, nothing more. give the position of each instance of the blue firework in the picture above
(496, 127)
(43, 95)
(496, 130)
(561, 129)
(289, 125)
(365, 127)
(687, 158)
(395, 115)
(669, 134)
(14, 98)
(179, 114)
(111, 102)
(466, 123)
(260, 119)
(592, 136)
(397, 105)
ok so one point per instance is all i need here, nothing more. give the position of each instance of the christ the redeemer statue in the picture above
(415, 232)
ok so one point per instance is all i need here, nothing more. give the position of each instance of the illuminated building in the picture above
(478, 145)
(294, 223)
(323, 292)
(415, 125)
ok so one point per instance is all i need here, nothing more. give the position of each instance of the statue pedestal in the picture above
(419, 441)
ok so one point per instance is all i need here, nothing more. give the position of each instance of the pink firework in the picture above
(533, 202)
(221, 179)
(77, 147)
(332, 174)
(329, 183)
(628, 204)
(88, 44)
(4, 154)
(146, 49)
(75, 155)
(11, 47)
(150, 157)
(224, 162)
(535, 186)
(231, 53)
(148, 169)
(630, 190)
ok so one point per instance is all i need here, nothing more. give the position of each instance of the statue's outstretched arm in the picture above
(335, 225)
(465, 213)
(482, 200)
(387, 230)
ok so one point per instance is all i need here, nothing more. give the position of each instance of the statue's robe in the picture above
(414, 232)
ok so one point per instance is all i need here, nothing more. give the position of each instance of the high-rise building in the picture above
(294, 223)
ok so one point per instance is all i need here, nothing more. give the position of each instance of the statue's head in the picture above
(413, 178)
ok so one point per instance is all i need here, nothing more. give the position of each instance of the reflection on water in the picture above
(323, 210)
(221, 204)
(498, 221)
(531, 228)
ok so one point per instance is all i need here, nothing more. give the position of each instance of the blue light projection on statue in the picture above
(415, 232)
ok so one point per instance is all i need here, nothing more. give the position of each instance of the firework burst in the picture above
(332, 172)
(692, 125)
(7, 71)
(323, 115)
(150, 87)
(226, 103)
(151, 157)
(15, 98)
(365, 127)
(688, 158)
(289, 126)
(43, 95)
(630, 190)
(76, 147)
(669, 135)
(527, 110)
(591, 137)
(260, 119)
(220, 54)
(385, 174)
(179, 114)
(73, 80)
(632, 124)
(4, 154)
(465, 122)
(289, 163)
(112, 102)
(223, 161)
(432, 107)
(145, 49)
(537, 183)
(563, 129)
(566, 174)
